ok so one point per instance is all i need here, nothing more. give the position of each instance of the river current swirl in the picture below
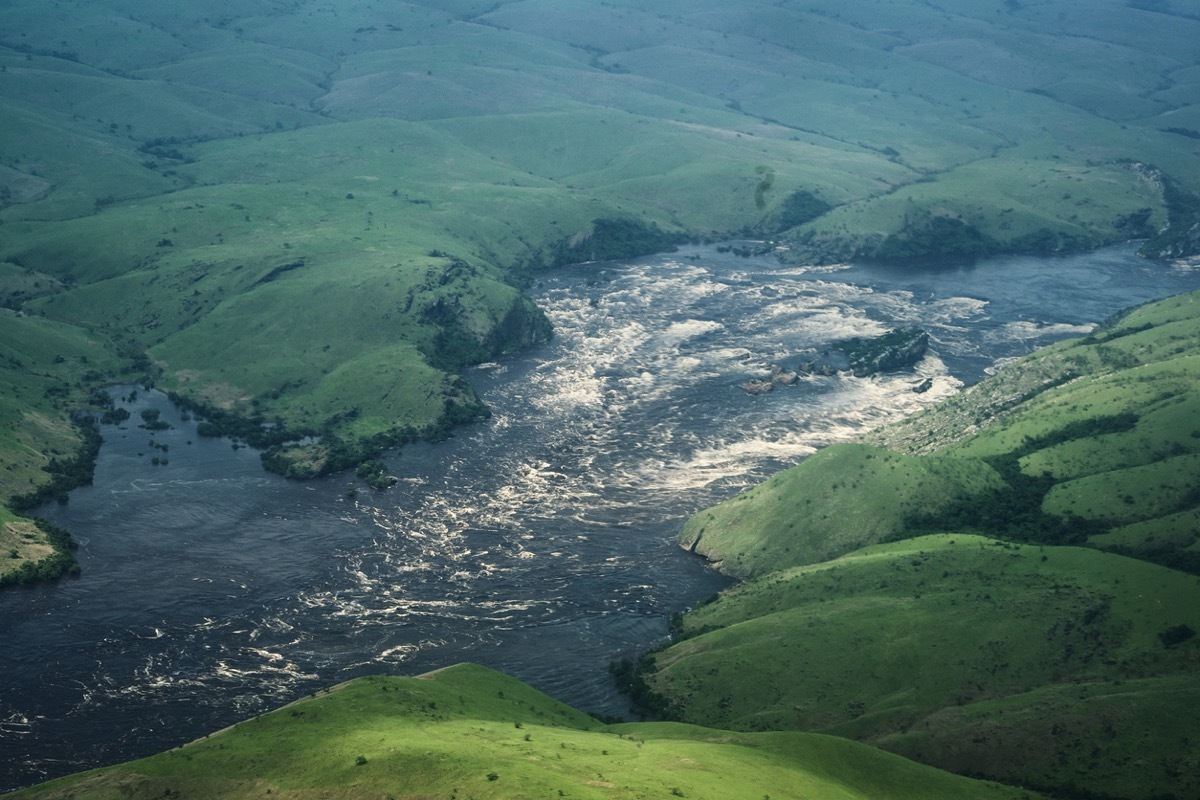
(539, 542)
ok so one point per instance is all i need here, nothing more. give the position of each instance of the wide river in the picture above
(540, 542)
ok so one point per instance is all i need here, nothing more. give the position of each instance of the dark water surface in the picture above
(539, 542)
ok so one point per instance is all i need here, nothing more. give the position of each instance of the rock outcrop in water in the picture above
(897, 349)
(862, 357)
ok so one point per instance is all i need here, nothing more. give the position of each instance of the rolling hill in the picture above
(305, 218)
(1003, 585)
(469, 732)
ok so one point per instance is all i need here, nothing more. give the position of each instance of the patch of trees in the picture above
(166, 148)
(152, 420)
(65, 473)
(253, 429)
(453, 347)
(281, 269)
(764, 186)
(1182, 235)
(60, 562)
(375, 474)
(1177, 634)
(630, 677)
(796, 209)
(111, 414)
(613, 239)
(1014, 511)
(938, 237)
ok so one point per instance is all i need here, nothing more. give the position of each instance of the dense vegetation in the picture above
(43, 551)
(998, 586)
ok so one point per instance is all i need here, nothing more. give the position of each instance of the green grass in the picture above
(255, 197)
(839, 499)
(470, 732)
(961, 651)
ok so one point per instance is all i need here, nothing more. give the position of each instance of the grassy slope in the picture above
(467, 731)
(1030, 663)
(1037, 665)
(159, 165)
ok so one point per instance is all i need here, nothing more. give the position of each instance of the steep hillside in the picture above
(470, 732)
(915, 590)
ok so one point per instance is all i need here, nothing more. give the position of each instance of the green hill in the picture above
(916, 590)
(470, 732)
(1041, 666)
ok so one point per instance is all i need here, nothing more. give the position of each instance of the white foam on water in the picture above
(1025, 330)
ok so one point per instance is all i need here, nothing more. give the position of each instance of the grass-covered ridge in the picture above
(470, 732)
(315, 214)
(1002, 585)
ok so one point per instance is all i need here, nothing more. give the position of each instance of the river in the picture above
(539, 542)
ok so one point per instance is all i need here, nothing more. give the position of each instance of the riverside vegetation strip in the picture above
(178, 185)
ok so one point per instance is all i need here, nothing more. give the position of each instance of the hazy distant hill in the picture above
(981, 596)
(313, 214)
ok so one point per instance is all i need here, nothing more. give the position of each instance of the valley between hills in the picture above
(304, 220)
